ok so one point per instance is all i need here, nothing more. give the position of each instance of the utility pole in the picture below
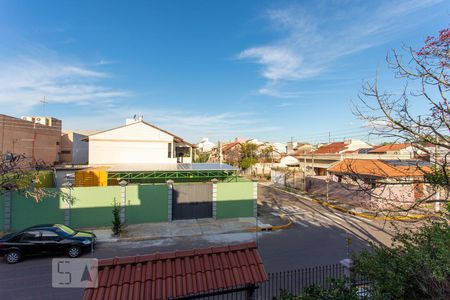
(329, 137)
(220, 151)
(304, 173)
(328, 179)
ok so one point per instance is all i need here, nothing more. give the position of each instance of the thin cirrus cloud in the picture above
(25, 81)
(313, 38)
(191, 125)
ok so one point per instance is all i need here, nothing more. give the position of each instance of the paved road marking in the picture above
(300, 223)
(304, 215)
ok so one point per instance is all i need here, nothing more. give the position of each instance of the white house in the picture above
(205, 145)
(138, 142)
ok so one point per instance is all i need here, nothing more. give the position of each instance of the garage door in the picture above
(192, 201)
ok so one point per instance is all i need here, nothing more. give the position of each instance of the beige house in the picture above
(318, 161)
(137, 142)
(402, 149)
(37, 138)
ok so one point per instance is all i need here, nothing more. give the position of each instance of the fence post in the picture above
(251, 292)
(123, 200)
(169, 199)
(255, 197)
(7, 211)
(67, 203)
(214, 197)
(347, 263)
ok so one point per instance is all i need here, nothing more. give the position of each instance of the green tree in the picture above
(249, 156)
(416, 266)
(340, 289)
(200, 157)
(267, 153)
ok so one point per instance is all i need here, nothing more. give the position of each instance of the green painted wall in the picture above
(234, 199)
(146, 203)
(26, 212)
(92, 206)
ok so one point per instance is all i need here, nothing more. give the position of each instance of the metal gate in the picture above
(192, 201)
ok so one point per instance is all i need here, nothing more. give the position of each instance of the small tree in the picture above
(116, 222)
(249, 156)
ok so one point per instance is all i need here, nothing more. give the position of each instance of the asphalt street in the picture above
(318, 236)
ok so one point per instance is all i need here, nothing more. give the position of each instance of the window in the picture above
(65, 151)
(31, 236)
(65, 230)
(169, 149)
(48, 235)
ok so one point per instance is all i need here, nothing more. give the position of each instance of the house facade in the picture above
(318, 161)
(137, 142)
(383, 184)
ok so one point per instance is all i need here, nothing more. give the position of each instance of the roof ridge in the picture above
(121, 260)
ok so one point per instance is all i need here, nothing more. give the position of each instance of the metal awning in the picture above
(170, 167)
(141, 173)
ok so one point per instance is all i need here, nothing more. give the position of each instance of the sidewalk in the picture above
(357, 211)
(180, 228)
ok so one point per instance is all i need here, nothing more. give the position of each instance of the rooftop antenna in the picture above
(43, 101)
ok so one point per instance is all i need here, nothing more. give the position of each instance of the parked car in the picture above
(46, 239)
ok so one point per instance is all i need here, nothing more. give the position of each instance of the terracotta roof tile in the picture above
(390, 147)
(377, 168)
(177, 274)
(332, 148)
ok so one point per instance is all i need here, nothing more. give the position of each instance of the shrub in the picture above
(416, 266)
(116, 222)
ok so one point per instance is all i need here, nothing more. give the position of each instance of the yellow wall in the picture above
(91, 177)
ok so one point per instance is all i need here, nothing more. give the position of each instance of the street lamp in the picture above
(68, 185)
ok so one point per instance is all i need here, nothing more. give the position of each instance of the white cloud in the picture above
(25, 81)
(312, 40)
(190, 125)
(104, 62)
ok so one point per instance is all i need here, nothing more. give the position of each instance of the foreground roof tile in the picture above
(178, 274)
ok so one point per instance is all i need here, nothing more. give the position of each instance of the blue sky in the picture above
(266, 69)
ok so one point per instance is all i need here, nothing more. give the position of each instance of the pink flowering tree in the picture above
(394, 116)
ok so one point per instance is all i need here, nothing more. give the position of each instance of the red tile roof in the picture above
(391, 147)
(377, 168)
(332, 148)
(302, 152)
(229, 146)
(176, 274)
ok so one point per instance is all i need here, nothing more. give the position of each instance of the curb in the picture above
(350, 212)
(272, 228)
